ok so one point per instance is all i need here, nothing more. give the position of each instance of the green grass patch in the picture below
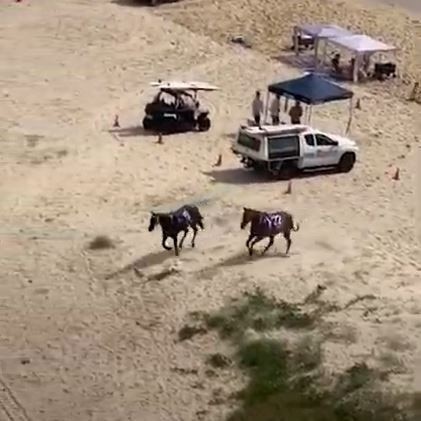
(286, 380)
(260, 313)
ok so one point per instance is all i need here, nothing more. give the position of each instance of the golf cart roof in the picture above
(184, 86)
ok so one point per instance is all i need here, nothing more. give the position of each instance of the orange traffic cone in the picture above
(116, 122)
(218, 163)
(289, 188)
(396, 176)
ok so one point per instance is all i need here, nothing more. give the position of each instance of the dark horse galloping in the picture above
(174, 222)
(265, 224)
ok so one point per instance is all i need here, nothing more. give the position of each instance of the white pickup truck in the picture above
(285, 149)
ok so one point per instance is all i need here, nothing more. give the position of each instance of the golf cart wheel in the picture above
(204, 124)
(147, 123)
(347, 162)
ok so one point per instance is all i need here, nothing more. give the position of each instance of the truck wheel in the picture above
(287, 171)
(347, 162)
(247, 163)
(204, 124)
(147, 123)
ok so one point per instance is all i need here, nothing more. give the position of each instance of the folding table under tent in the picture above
(319, 32)
(361, 45)
(311, 89)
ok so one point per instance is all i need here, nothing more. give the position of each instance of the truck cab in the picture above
(283, 149)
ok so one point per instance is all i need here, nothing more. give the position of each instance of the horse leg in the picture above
(164, 239)
(255, 241)
(193, 244)
(175, 245)
(180, 245)
(251, 236)
(269, 245)
(287, 236)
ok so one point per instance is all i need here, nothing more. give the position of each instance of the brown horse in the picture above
(173, 223)
(264, 224)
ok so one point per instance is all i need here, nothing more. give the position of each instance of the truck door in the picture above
(327, 150)
(309, 152)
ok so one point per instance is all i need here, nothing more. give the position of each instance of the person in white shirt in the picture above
(275, 109)
(257, 108)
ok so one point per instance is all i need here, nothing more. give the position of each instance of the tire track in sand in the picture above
(10, 407)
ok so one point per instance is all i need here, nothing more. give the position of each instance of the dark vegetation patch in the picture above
(101, 242)
(287, 381)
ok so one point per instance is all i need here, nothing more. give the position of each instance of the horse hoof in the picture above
(193, 246)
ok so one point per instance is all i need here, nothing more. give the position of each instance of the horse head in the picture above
(153, 221)
(248, 215)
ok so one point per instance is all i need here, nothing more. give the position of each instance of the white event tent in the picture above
(318, 32)
(361, 45)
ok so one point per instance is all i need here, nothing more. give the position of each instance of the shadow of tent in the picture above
(305, 63)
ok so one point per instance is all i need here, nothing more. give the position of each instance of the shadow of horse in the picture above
(242, 258)
(148, 260)
(238, 259)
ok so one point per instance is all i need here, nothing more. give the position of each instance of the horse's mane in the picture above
(253, 210)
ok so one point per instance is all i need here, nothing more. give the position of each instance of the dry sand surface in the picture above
(100, 339)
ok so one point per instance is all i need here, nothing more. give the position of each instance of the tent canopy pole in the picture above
(316, 53)
(295, 36)
(351, 108)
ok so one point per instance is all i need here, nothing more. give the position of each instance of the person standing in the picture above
(295, 113)
(275, 109)
(257, 108)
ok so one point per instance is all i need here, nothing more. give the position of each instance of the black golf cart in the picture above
(175, 108)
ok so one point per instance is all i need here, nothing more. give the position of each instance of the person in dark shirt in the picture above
(295, 113)
(336, 63)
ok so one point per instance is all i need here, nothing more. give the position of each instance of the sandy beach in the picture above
(85, 337)
(411, 5)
